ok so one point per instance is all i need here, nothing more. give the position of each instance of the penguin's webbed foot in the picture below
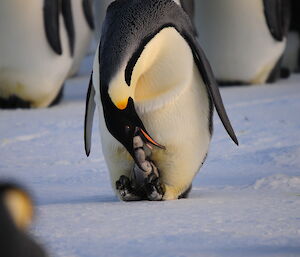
(126, 191)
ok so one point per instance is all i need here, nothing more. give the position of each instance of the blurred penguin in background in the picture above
(291, 58)
(16, 213)
(37, 45)
(84, 27)
(100, 7)
(244, 40)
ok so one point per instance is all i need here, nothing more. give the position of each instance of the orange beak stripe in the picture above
(151, 140)
(122, 104)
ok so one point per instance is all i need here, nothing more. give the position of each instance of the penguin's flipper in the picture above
(277, 14)
(89, 116)
(51, 23)
(212, 86)
(88, 13)
(66, 7)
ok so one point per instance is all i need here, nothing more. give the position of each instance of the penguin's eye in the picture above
(127, 129)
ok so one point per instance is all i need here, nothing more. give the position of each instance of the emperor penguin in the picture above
(36, 51)
(16, 213)
(84, 27)
(244, 40)
(151, 76)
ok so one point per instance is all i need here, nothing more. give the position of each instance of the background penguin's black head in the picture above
(16, 211)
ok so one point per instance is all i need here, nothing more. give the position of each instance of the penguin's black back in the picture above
(129, 25)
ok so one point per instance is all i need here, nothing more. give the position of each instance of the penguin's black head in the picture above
(125, 123)
(16, 211)
(18, 202)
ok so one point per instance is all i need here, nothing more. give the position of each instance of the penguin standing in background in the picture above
(84, 26)
(155, 82)
(16, 213)
(244, 40)
(100, 7)
(291, 58)
(36, 51)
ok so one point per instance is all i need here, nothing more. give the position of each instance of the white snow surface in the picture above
(245, 200)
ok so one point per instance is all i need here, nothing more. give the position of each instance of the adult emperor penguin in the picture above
(16, 212)
(151, 77)
(36, 49)
(244, 40)
(84, 26)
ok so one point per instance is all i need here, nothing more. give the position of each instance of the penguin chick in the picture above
(155, 79)
(16, 212)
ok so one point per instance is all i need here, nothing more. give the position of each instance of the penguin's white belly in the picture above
(237, 40)
(183, 128)
(29, 68)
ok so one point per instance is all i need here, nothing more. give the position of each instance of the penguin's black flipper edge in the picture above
(277, 13)
(51, 23)
(89, 116)
(66, 7)
(88, 13)
(212, 86)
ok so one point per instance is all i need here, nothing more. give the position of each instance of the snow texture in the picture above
(245, 200)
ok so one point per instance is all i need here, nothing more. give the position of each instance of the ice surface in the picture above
(245, 201)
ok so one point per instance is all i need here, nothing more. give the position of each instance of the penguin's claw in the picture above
(153, 188)
(123, 185)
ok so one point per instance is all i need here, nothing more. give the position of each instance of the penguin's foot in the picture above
(14, 102)
(126, 191)
(153, 187)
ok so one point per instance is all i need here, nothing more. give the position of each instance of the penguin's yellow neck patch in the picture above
(162, 72)
(20, 208)
(118, 91)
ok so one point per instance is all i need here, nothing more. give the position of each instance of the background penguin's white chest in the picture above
(237, 40)
(29, 68)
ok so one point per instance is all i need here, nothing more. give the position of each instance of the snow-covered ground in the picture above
(245, 201)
